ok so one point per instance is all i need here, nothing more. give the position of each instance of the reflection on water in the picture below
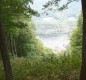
(58, 42)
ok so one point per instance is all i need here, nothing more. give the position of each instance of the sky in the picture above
(73, 7)
(69, 14)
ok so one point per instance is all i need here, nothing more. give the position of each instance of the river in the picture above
(58, 42)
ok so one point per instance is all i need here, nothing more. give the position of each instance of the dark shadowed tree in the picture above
(4, 52)
(83, 68)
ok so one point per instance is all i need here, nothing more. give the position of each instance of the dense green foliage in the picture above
(33, 60)
(46, 68)
(18, 25)
(76, 38)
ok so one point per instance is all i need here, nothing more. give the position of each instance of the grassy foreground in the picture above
(49, 67)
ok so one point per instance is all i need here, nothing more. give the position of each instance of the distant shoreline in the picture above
(52, 35)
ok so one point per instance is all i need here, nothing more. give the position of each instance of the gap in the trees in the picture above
(54, 27)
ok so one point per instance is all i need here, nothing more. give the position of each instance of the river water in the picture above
(58, 42)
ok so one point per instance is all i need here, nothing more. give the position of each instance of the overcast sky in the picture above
(71, 13)
(73, 7)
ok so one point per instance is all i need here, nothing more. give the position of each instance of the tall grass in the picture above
(49, 67)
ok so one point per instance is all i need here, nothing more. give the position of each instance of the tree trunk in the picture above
(4, 53)
(14, 46)
(11, 46)
(83, 67)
